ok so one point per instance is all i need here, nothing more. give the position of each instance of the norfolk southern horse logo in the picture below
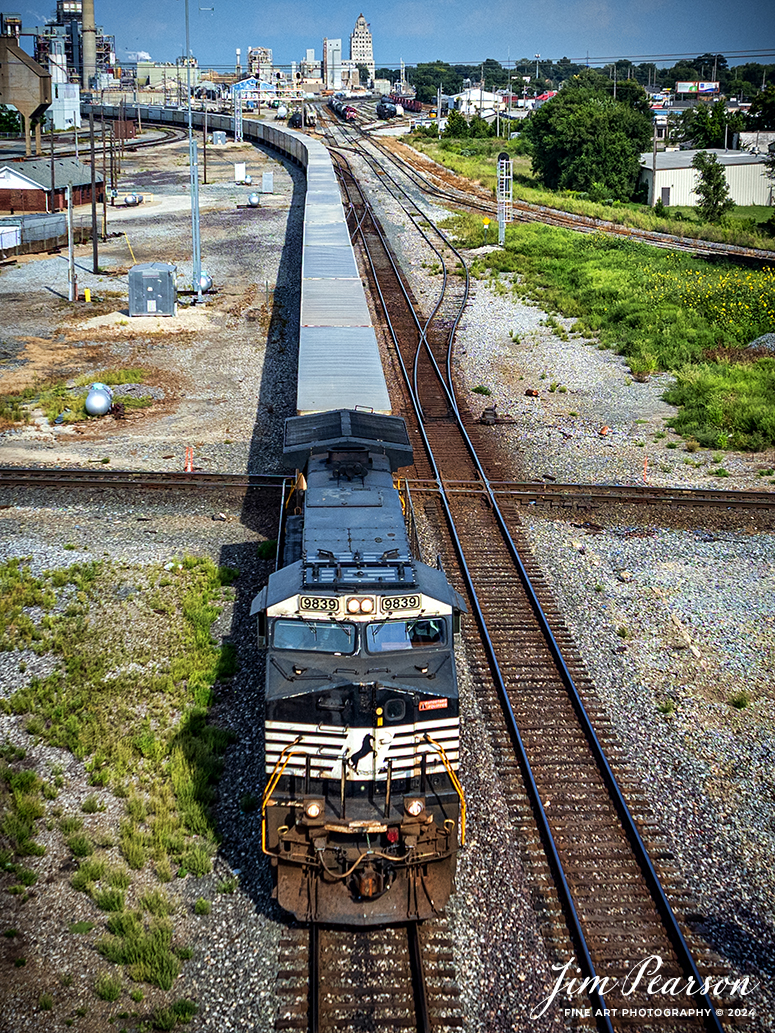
(367, 747)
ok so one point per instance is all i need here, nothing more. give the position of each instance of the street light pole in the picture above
(194, 171)
(538, 57)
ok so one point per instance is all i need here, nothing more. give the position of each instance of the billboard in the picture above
(697, 87)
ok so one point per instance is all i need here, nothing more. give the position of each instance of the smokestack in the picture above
(89, 43)
(238, 68)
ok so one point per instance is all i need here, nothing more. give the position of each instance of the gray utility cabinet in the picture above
(152, 290)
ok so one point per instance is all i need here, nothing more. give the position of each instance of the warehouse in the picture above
(675, 178)
(25, 186)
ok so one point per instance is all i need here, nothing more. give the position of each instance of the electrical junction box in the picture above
(219, 138)
(267, 183)
(152, 290)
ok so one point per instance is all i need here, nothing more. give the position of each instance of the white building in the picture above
(332, 64)
(477, 101)
(361, 49)
(676, 179)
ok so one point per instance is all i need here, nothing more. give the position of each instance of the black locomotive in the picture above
(363, 812)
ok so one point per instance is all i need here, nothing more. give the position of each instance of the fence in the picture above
(30, 234)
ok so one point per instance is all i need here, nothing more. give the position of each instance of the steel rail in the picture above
(528, 212)
(418, 979)
(667, 915)
(554, 859)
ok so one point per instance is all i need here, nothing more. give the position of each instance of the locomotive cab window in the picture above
(395, 709)
(313, 636)
(416, 634)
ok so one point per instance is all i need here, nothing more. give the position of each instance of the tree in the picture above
(712, 188)
(456, 127)
(708, 125)
(762, 111)
(585, 140)
(10, 121)
(478, 128)
(363, 74)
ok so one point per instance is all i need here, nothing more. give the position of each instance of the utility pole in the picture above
(204, 143)
(194, 170)
(72, 292)
(53, 170)
(95, 257)
(615, 71)
(654, 169)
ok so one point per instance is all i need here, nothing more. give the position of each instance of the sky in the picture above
(457, 31)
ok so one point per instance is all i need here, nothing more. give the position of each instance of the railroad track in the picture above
(432, 184)
(398, 978)
(605, 901)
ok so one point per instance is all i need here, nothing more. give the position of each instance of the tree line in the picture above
(743, 81)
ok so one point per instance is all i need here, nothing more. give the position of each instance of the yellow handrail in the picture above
(455, 784)
(271, 785)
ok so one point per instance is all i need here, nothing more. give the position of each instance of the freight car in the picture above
(407, 103)
(386, 109)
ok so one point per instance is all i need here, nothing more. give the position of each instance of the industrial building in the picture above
(676, 179)
(67, 27)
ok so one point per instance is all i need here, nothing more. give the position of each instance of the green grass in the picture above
(54, 398)
(108, 986)
(143, 735)
(477, 159)
(664, 311)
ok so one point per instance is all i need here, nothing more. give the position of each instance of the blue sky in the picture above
(449, 30)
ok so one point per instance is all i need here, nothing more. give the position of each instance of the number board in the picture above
(319, 604)
(393, 603)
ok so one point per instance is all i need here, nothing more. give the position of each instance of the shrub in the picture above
(80, 845)
(202, 907)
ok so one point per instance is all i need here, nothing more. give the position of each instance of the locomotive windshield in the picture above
(392, 635)
(320, 636)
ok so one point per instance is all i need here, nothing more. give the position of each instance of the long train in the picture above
(363, 812)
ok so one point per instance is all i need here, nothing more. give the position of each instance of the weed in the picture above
(108, 986)
(766, 473)
(197, 860)
(659, 435)
(88, 873)
(598, 587)
(562, 390)
(480, 389)
(666, 707)
(81, 927)
(80, 845)
(118, 878)
(157, 903)
(136, 995)
(740, 700)
(184, 953)
(553, 386)
(11, 934)
(202, 907)
(91, 805)
(20, 962)
(66, 979)
(267, 550)
(167, 1018)
(227, 885)
(622, 632)
(45, 1002)
(573, 413)
(720, 472)
(692, 445)
(109, 900)
(70, 824)
(672, 444)
(146, 952)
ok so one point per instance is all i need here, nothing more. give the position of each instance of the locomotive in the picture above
(363, 812)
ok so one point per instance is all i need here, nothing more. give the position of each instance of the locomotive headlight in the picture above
(353, 606)
(414, 806)
(359, 604)
(367, 606)
(313, 808)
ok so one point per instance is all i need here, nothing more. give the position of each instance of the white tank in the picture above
(282, 111)
(254, 200)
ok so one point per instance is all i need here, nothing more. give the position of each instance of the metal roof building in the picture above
(676, 179)
(25, 186)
